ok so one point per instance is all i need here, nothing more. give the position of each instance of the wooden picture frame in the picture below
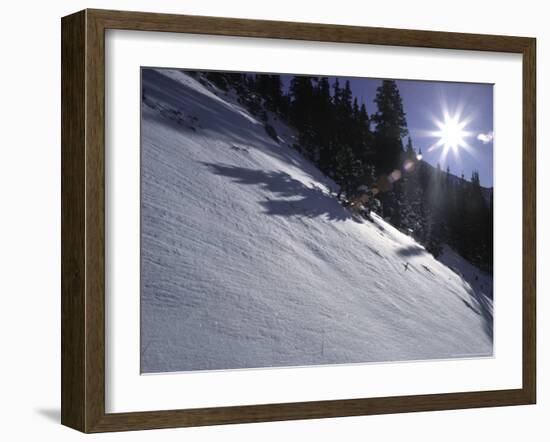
(83, 220)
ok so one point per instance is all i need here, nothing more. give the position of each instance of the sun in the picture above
(451, 135)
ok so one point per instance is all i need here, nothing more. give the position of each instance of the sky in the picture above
(426, 103)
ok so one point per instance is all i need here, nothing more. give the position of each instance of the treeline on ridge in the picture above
(356, 149)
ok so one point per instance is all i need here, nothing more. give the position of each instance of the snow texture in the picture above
(248, 260)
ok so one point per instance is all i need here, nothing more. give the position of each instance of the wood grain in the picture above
(529, 220)
(73, 128)
(83, 219)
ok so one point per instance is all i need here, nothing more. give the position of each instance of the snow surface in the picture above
(248, 260)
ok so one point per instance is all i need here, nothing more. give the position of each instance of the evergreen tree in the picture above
(301, 110)
(412, 219)
(323, 115)
(410, 153)
(436, 216)
(274, 92)
(348, 166)
(391, 126)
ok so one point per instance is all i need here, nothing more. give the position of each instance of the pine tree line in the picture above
(355, 149)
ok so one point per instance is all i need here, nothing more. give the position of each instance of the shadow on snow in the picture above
(411, 251)
(294, 198)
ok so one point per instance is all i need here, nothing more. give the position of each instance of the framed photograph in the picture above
(268, 221)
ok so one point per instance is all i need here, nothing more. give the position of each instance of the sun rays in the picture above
(451, 135)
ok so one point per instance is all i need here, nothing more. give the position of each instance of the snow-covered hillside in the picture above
(248, 260)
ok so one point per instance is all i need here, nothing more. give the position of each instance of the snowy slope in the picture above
(248, 261)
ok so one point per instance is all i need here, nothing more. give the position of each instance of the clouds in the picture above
(486, 138)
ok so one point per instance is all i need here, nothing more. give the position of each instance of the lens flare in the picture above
(408, 165)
